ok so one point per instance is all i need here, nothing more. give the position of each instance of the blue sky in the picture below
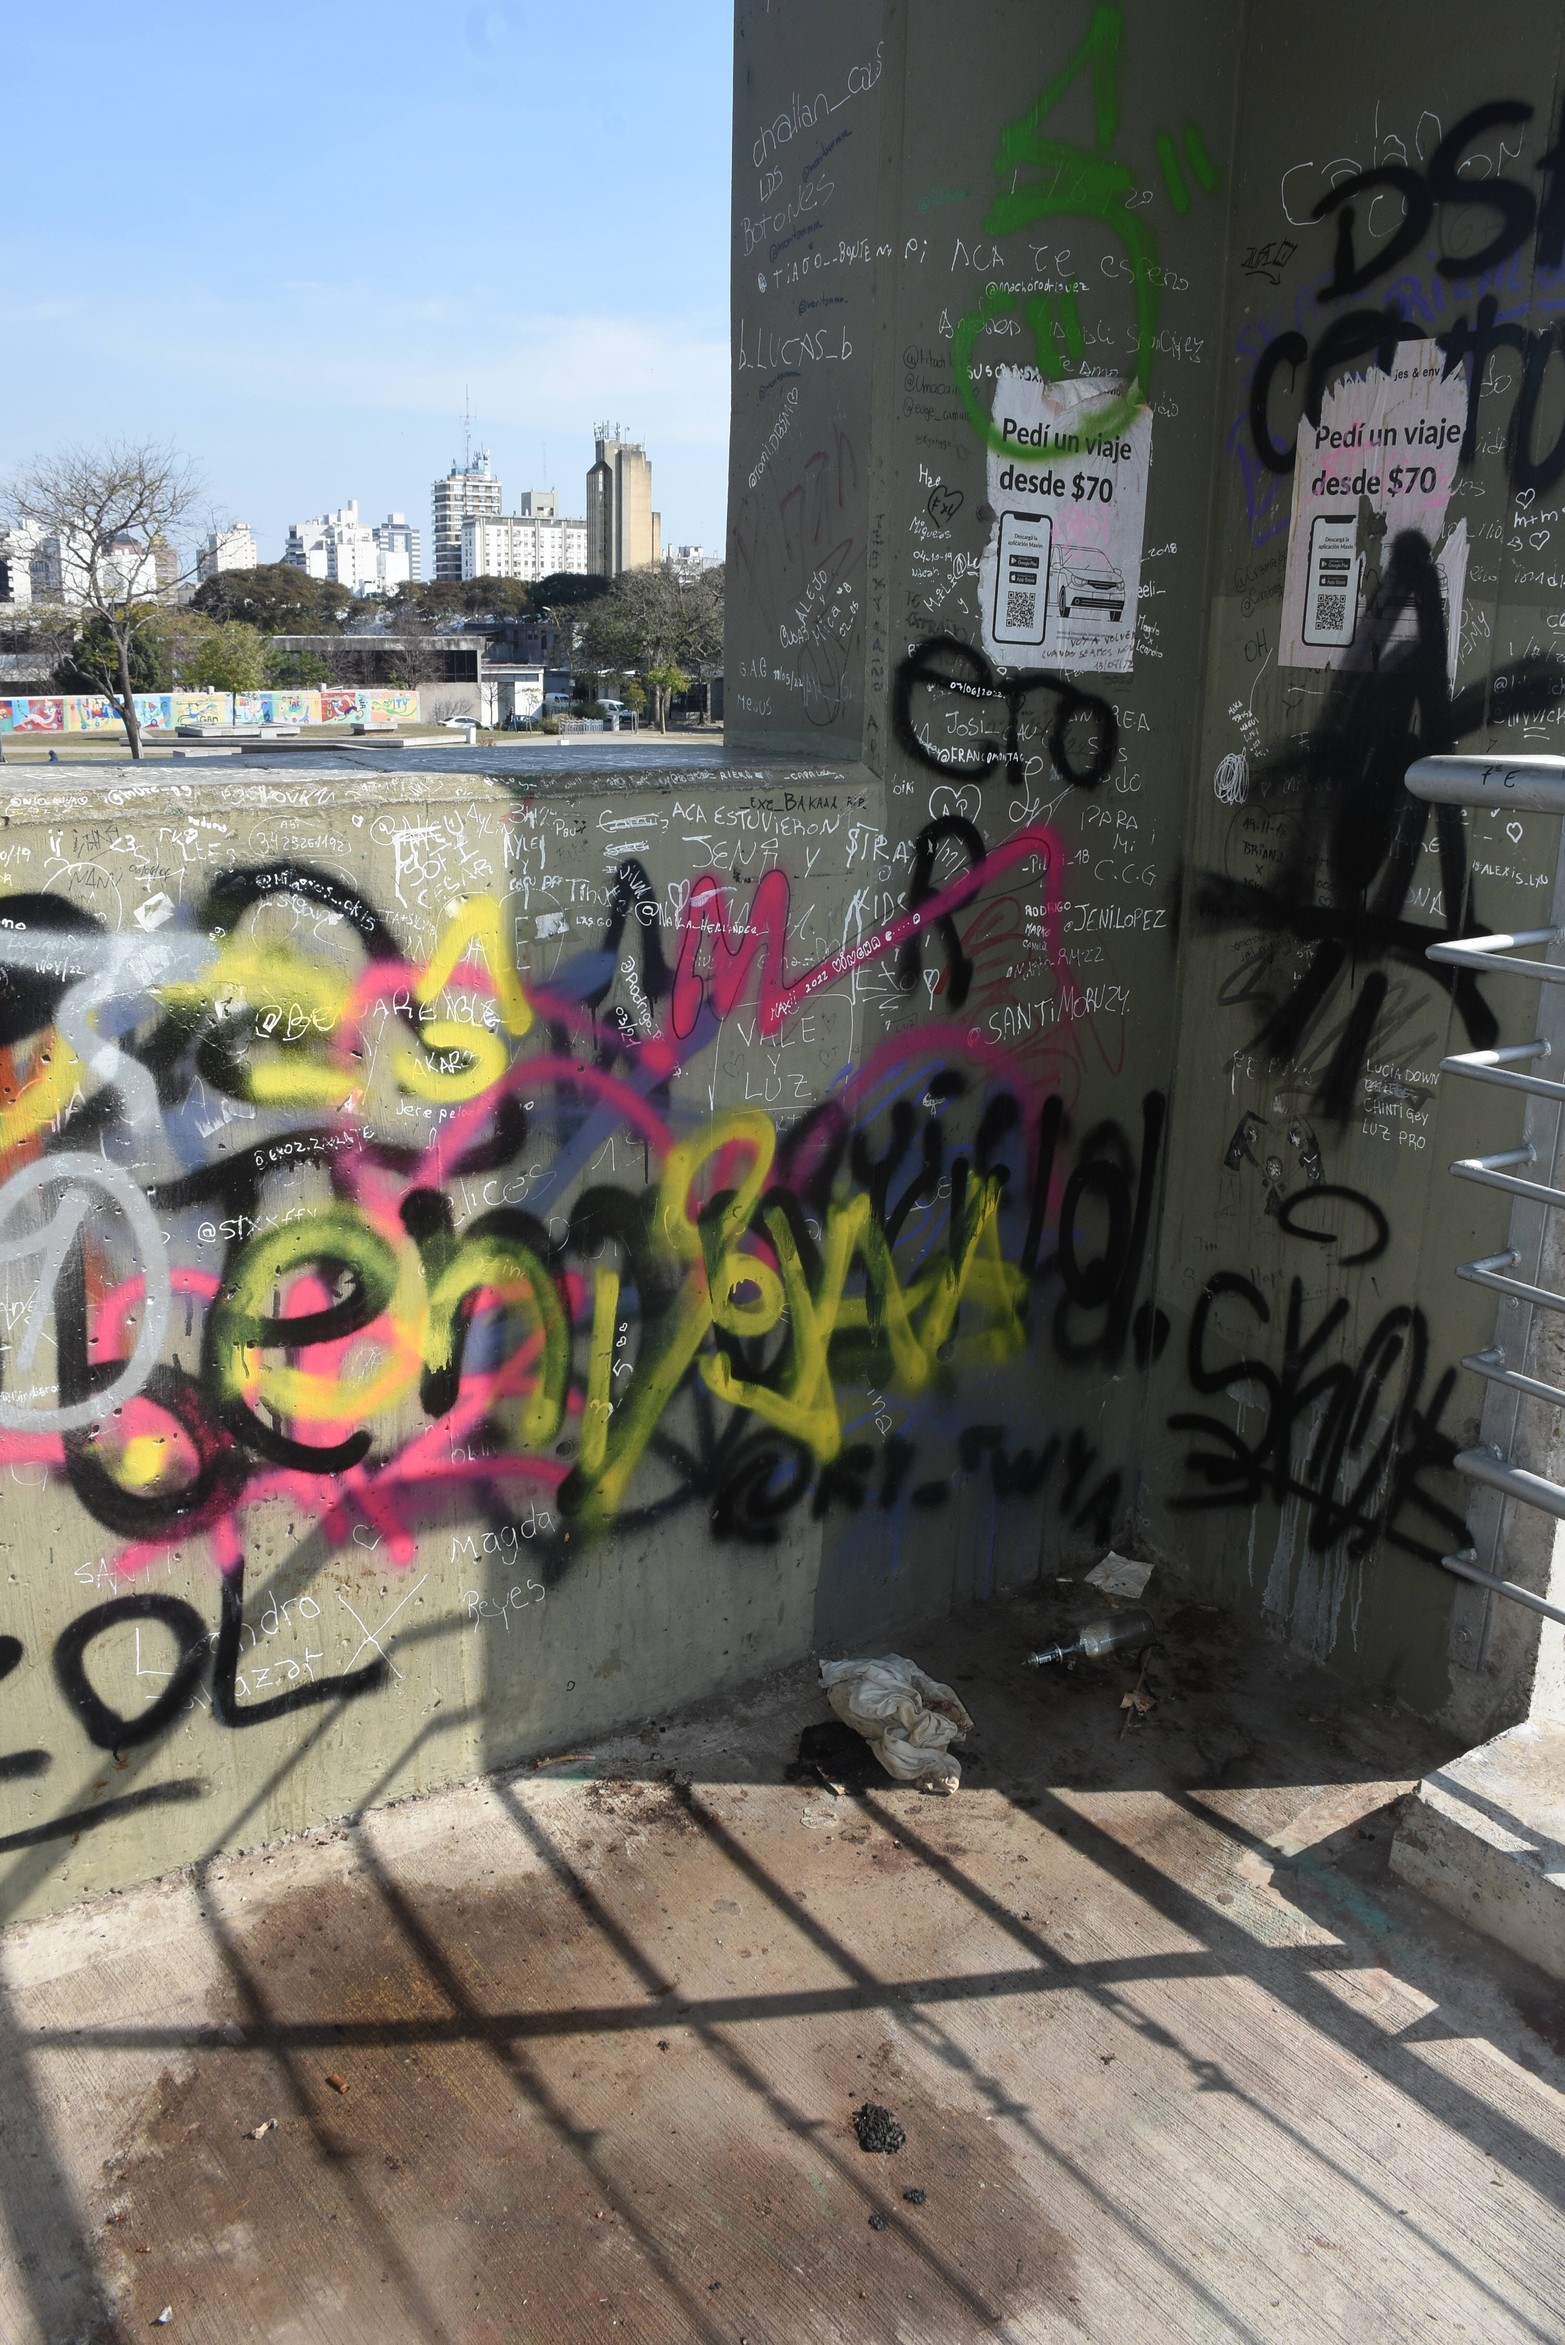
(288, 239)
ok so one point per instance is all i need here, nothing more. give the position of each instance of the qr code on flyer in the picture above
(1019, 609)
(1331, 612)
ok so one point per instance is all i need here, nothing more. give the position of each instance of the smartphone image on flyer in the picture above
(1021, 591)
(1336, 575)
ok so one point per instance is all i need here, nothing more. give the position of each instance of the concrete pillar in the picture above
(1316, 254)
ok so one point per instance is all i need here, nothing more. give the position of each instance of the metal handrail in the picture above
(1535, 785)
(1497, 1473)
(1486, 1271)
(1480, 952)
(1484, 1170)
(1467, 1566)
(1492, 1364)
(1495, 1066)
(1522, 785)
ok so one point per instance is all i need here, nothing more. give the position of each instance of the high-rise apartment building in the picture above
(401, 551)
(18, 553)
(335, 545)
(623, 532)
(232, 548)
(67, 567)
(368, 558)
(173, 582)
(468, 492)
(688, 562)
(533, 542)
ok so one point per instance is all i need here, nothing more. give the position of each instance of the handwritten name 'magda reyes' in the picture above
(1365, 483)
(1041, 435)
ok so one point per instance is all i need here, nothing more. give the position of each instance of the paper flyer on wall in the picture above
(1381, 461)
(1060, 575)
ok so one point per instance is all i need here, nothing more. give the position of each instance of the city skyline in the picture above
(474, 458)
(310, 334)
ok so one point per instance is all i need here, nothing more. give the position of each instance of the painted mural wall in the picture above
(163, 712)
(1191, 381)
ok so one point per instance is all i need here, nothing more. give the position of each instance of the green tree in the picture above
(660, 627)
(175, 634)
(566, 590)
(276, 599)
(92, 655)
(429, 601)
(232, 659)
(288, 670)
(110, 513)
(663, 682)
(424, 602)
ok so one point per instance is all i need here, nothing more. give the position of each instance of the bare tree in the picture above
(112, 514)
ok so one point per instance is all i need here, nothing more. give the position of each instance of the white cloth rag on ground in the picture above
(1116, 1575)
(909, 1720)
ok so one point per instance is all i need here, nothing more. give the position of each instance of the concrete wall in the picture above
(1239, 219)
(476, 1266)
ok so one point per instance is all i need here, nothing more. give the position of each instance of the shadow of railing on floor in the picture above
(1297, 1975)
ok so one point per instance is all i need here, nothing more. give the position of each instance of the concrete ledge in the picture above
(1485, 1837)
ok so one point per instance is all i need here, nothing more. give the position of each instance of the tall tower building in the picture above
(469, 492)
(623, 532)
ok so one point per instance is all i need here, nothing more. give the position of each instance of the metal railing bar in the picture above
(1536, 784)
(1502, 941)
(1482, 952)
(1497, 1473)
(1492, 1365)
(1466, 1564)
(1533, 784)
(1482, 1169)
(1505, 1056)
(1538, 1086)
(1485, 1272)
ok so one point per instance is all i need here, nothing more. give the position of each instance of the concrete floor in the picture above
(573, 2055)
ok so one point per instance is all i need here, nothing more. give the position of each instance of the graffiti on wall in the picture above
(1499, 231)
(1404, 327)
(1331, 925)
(295, 1219)
(1352, 1440)
(1043, 183)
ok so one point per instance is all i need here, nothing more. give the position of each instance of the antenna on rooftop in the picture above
(467, 429)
